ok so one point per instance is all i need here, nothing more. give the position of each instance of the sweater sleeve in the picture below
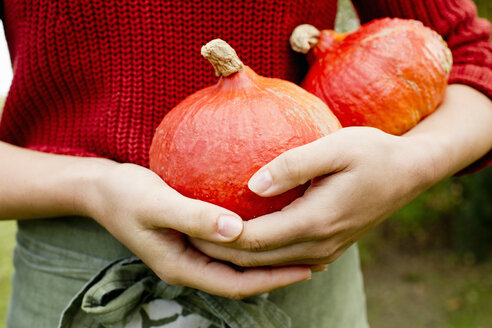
(467, 35)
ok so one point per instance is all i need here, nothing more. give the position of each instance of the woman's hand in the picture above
(140, 210)
(150, 218)
(359, 177)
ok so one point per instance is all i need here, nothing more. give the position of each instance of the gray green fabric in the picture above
(120, 290)
(58, 259)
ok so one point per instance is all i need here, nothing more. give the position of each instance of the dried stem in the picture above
(304, 38)
(223, 57)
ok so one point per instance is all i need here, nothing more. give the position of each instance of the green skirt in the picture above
(56, 258)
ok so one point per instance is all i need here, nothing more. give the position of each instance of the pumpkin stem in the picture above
(222, 57)
(304, 38)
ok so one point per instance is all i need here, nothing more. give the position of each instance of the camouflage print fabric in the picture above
(73, 266)
(117, 294)
(161, 313)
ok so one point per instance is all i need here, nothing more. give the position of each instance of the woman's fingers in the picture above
(203, 220)
(317, 215)
(297, 166)
(187, 267)
(131, 193)
(151, 219)
(192, 217)
(310, 253)
(220, 279)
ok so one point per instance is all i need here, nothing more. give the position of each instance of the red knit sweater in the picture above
(95, 78)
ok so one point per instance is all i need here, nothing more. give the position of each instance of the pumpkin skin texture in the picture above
(210, 144)
(388, 74)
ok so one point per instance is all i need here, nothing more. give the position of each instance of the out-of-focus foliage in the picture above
(455, 214)
(484, 8)
(472, 220)
(346, 20)
(7, 230)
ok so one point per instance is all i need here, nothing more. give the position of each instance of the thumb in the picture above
(296, 167)
(196, 218)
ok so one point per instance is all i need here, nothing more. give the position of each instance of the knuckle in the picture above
(245, 260)
(169, 270)
(237, 296)
(254, 244)
(326, 252)
(196, 223)
(188, 226)
(331, 258)
(237, 293)
(290, 165)
(172, 281)
(171, 278)
(334, 255)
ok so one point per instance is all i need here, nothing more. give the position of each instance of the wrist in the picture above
(456, 134)
(424, 160)
(87, 197)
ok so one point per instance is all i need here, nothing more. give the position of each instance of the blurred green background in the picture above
(429, 265)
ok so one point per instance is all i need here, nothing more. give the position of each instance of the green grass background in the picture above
(7, 230)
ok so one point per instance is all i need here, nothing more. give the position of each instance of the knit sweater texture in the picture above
(95, 78)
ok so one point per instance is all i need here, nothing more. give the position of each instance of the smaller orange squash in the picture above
(388, 74)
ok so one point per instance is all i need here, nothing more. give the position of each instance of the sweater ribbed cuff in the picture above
(477, 77)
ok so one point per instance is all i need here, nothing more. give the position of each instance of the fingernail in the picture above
(260, 182)
(230, 226)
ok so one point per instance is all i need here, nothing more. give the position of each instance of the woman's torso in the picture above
(95, 78)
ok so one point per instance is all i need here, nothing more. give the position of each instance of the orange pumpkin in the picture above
(388, 74)
(210, 144)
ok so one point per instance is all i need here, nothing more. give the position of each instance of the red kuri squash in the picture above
(210, 144)
(388, 74)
